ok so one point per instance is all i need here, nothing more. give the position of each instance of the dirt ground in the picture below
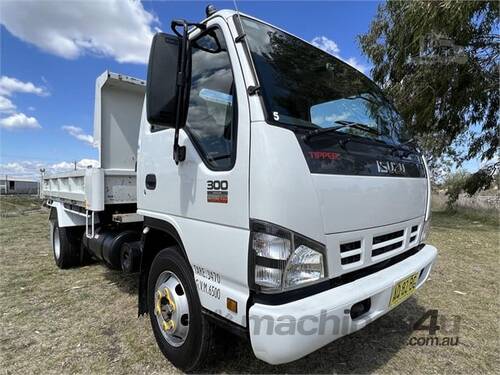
(85, 320)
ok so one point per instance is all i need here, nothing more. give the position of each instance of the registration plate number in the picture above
(403, 289)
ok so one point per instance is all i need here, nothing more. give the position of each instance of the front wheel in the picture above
(182, 332)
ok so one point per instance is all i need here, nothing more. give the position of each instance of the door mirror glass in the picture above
(162, 90)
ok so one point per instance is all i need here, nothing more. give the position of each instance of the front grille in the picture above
(350, 252)
(376, 245)
(387, 237)
(387, 242)
(387, 248)
(350, 246)
(351, 259)
(414, 232)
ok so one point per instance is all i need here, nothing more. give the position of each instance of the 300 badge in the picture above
(217, 191)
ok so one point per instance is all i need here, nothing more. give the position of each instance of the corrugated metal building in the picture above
(14, 185)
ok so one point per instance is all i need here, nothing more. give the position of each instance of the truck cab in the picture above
(278, 194)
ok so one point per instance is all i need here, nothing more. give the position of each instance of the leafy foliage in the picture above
(482, 179)
(454, 185)
(470, 183)
(439, 60)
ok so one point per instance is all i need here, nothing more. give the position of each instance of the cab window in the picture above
(210, 120)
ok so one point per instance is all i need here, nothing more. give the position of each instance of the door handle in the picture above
(150, 181)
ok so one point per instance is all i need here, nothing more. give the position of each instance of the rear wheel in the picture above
(182, 332)
(129, 257)
(65, 245)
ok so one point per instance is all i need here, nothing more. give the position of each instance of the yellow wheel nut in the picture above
(167, 326)
(158, 303)
(169, 299)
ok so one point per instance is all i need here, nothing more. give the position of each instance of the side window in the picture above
(210, 119)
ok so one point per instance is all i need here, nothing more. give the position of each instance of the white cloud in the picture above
(31, 169)
(82, 164)
(19, 121)
(119, 29)
(79, 134)
(332, 48)
(355, 64)
(6, 106)
(326, 45)
(9, 86)
(15, 168)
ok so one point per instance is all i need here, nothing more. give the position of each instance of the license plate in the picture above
(403, 289)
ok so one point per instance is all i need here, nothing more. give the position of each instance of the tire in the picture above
(193, 351)
(86, 257)
(129, 257)
(65, 245)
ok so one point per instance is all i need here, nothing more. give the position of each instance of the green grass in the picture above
(489, 217)
(85, 320)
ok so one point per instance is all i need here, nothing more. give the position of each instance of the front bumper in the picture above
(284, 333)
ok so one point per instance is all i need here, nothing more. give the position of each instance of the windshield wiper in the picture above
(356, 125)
(410, 142)
(342, 124)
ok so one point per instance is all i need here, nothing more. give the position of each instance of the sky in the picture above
(52, 51)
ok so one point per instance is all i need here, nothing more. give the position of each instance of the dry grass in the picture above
(14, 205)
(85, 320)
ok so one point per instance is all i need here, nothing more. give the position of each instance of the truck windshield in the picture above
(305, 87)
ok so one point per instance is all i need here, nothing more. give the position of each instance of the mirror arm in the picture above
(185, 25)
(180, 151)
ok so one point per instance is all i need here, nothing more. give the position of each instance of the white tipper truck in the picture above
(255, 183)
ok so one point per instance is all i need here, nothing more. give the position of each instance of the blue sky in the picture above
(51, 53)
(52, 127)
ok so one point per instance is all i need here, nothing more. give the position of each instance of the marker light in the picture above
(425, 230)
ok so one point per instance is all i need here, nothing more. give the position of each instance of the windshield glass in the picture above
(306, 87)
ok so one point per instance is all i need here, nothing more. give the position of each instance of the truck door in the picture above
(206, 196)
(211, 184)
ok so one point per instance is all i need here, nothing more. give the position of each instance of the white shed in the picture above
(15, 185)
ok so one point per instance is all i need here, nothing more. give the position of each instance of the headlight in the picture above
(305, 265)
(284, 260)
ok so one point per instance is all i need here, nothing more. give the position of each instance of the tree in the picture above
(454, 185)
(439, 61)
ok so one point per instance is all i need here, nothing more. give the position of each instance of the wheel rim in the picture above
(56, 243)
(171, 308)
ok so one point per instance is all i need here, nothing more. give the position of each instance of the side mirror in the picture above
(167, 88)
(163, 88)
